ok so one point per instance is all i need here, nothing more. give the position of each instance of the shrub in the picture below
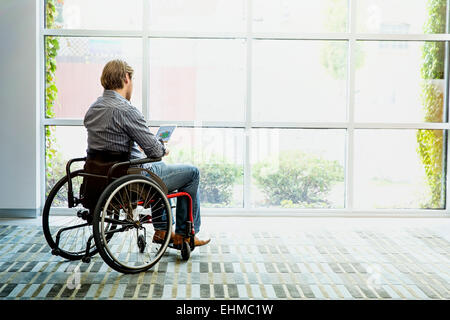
(297, 179)
(217, 175)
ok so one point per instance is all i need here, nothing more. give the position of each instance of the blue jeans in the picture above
(183, 178)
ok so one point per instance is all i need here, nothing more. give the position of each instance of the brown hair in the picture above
(114, 74)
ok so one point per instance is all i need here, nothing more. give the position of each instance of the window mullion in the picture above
(446, 145)
(145, 59)
(41, 97)
(248, 111)
(350, 145)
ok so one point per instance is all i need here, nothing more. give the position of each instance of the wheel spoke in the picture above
(121, 222)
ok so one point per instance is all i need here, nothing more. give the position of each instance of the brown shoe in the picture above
(178, 241)
(159, 236)
(179, 238)
(199, 243)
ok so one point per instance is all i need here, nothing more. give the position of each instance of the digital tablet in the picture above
(165, 131)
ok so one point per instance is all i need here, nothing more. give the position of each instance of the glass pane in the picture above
(401, 16)
(399, 169)
(197, 79)
(98, 14)
(300, 16)
(400, 81)
(62, 144)
(299, 80)
(79, 63)
(198, 15)
(219, 155)
(298, 168)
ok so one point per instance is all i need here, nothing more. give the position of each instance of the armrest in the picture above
(131, 162)
(144, 160)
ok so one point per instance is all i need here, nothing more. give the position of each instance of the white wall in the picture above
(19, 133)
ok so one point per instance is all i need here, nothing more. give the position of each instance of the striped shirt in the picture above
(111, 123)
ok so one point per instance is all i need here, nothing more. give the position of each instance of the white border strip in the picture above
(290, 212)
(244, 35)
(277, 125)
(351, 36)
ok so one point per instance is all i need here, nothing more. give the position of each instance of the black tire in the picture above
(185, 251)
(141, 243)
(72, 244)
(128, 198)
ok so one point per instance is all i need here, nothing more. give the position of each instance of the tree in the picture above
(334, 53)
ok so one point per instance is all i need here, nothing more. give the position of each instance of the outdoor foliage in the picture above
(217, 175)
(334, 53)
(297, 179)
(430, 142)
(51, 50)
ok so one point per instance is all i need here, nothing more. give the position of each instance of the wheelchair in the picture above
(109, 207)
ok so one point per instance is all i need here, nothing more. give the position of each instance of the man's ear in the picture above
(127, 79)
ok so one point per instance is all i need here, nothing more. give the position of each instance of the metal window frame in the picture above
(248, 124)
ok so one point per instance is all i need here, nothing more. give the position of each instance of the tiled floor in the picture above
(250, 258)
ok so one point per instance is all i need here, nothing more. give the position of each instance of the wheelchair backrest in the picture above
(93, 186)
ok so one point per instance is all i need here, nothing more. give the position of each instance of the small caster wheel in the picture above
(86, 259)
(141, 243)
(56, 252)
(191, 243)
(185, 251)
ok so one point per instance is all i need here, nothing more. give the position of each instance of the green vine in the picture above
(430, 142)
(51, 91)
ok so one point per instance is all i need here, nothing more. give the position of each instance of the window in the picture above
(285, 106)
(79, 64)
(301, 80)
(219, 155)
(397, 69)
(96, 15)
(295, 16)
(398, 16)
(197, 79)
(298, 168)
(389, 170)
(198, 15)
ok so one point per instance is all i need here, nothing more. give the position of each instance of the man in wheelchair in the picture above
(117, 131)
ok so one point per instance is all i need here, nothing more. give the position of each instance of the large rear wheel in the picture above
(136, 206)
(67, 230)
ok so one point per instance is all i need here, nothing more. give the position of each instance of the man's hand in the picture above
(165, 146)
